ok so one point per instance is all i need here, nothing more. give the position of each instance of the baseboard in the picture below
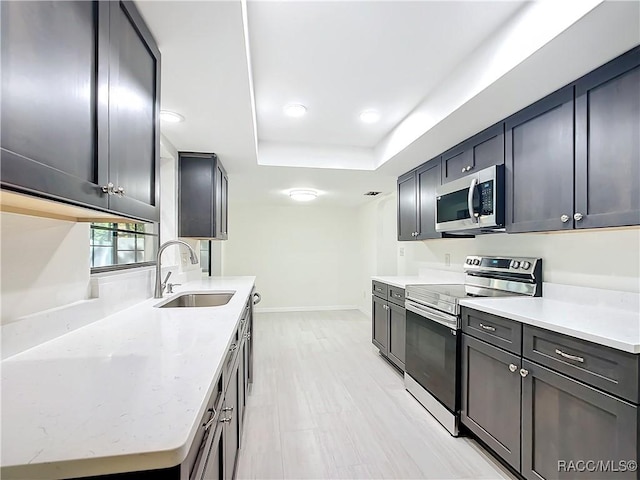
(304, 309)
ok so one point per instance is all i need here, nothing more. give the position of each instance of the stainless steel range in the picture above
(432, 366)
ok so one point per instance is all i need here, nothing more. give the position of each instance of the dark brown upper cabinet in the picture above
(134, 109)
(407, 206)
(478, 152)
(539, 165)
(416, 202)
(80, 92)
(203, 189)
(573, 158)
(608, 145)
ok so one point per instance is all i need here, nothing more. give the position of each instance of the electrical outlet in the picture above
(184, 258)
(447, 259)
(402, 251)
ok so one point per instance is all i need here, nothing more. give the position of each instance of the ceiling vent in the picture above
(372, 194)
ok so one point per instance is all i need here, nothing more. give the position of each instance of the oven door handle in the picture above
(433, 315)
(472, 191)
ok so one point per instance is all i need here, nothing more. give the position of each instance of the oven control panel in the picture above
(523, 265)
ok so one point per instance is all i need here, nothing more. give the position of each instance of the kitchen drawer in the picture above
(611, 370)
(396, 295)
(380, 289)
(498, 331)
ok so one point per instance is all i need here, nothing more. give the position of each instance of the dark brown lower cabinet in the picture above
(388, 322)
(568, 426)
(544, 423)
(231, 420)
(491, 389)
(397, 334)
(214, 466)
(380, 334)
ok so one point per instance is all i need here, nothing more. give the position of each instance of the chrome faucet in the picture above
(160, 286)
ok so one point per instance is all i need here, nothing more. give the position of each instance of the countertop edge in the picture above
(633, 348)
(135, 461)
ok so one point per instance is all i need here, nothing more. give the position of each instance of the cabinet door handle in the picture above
(564, 218)
(225, 420)
(512, 367)
(211, 420)
(523, 372)
(575, 358)
(227, 409)
(487, 327)
(119, 191)
(108, 188)
(577, 216)
(464, 169)
(233, 347)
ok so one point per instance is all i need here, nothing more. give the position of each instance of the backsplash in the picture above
(45, 264)
(110, 293)
(605, 258)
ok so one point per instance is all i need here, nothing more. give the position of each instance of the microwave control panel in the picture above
(486, 198)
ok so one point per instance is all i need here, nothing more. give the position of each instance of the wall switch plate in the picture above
(447, 259)
(402, 251)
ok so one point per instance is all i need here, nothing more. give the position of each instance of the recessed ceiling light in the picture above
(370, 116)
(295, 110)
(171, 117)
(303, 195)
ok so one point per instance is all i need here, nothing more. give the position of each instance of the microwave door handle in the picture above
(472, 189)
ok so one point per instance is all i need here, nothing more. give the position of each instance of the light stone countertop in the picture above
(608, 318)
(607, 325)
(123, 393)
(427, 277)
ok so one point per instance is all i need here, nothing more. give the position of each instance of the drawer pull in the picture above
(569, 356)
(233, 347)
(397, 295)
(488, 327)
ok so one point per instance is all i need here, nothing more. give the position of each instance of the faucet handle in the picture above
(167, 277)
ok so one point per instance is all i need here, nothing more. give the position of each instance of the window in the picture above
(205, 256)
(122, 245)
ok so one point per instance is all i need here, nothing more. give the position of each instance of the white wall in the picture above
(378, 244)
(304, 256)
(44, 264)
(598, 258)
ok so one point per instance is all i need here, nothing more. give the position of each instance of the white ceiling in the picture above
(340, 58)
(430, 67)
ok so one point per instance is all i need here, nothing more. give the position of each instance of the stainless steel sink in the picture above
(204, 299)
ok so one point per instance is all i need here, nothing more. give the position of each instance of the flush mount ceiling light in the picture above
(171, 117)
(295, 110)
(303, 195)
(370, 116)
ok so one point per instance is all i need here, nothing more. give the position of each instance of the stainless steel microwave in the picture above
(472, 204)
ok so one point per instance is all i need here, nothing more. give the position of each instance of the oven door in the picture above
(432, 357)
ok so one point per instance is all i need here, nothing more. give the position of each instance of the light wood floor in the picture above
(324, 404)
